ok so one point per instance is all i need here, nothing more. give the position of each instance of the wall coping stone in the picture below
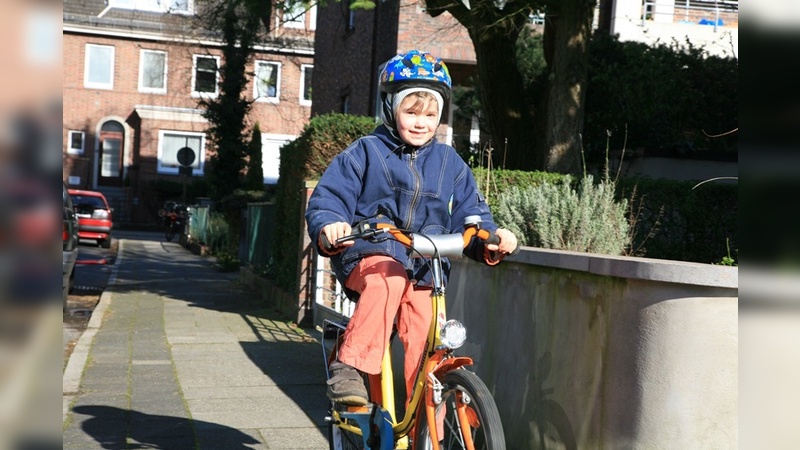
(630, 267)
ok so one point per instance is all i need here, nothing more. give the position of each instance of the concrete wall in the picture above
(604, 352)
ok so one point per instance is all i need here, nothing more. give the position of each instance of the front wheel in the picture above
(340, 439)
(463, 389)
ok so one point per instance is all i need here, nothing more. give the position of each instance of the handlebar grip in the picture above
(492, 239)
(326, 244)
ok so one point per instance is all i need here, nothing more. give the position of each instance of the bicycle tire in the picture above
(488, 436)
(170, 234)
(339, 439)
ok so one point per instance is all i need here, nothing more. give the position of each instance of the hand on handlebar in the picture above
(331, 233)
(495, 251)
(508, 242)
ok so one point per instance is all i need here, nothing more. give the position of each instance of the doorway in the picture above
(112, 138)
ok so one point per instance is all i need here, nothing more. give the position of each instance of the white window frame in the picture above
(200, 157)
(197, 94)
(312, 17)
(277, 97)
(87, 65)
(152, 6)
(72, 150)
(303, 100)
(142, 87)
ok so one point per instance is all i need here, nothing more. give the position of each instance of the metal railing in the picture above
(690, 9)
(328, 291)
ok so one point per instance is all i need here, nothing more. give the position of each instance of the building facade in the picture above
(134, 74)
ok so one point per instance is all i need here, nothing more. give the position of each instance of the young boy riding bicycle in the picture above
(399, 174)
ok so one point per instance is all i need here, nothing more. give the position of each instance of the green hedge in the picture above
(666, 99)
(306, 158)
(680, 223)
(492, 184)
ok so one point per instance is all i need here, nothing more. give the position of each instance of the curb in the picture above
(80, 354)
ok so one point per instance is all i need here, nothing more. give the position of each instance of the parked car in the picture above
(69, 236)
(95, 219)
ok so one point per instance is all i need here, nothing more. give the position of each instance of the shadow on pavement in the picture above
(109, 426)
(287, 355)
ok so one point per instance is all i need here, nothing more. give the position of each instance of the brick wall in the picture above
(85, 109)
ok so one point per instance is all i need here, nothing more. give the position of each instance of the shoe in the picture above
(346, 385)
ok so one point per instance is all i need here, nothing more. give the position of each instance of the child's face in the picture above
(417, 120)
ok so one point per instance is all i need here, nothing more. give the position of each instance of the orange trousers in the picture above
(386, 294)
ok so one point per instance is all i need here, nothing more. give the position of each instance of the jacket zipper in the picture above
(415, 197)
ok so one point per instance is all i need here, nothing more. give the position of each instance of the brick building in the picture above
(134, 72)
(353, 46)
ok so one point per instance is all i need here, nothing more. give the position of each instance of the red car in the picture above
(94, 216)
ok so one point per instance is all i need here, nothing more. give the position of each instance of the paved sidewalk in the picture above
(178, 355)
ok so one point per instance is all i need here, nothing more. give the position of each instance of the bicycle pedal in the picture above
(354, 409)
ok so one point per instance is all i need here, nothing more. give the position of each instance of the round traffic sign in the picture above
(185, 156)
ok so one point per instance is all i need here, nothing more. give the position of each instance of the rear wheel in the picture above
(105, 243)
(463, 388)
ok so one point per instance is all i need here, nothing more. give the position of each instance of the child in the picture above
(399, 174)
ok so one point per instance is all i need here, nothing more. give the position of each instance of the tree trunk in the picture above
(501, 92)
(566, 39)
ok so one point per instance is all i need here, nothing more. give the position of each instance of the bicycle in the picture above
(174, 216)
(450, 406)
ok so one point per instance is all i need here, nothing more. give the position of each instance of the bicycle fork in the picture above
(434, 397)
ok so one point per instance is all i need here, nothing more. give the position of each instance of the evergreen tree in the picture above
(254, 179)
(227, 113)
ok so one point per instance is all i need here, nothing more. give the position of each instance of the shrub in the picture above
(559, 216)
(306, 158)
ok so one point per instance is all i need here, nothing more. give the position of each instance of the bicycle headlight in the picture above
(453, 334)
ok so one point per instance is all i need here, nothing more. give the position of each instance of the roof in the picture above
(99, 16)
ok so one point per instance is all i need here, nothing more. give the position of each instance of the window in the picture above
(305, 84)
(152, 71)
(205, 76)
(75, 140)
(99, 70)
(294, 16)
(378, 99)
(271, 155)
(164, 6)
(346, 104)
(267, 81)
(169, 142)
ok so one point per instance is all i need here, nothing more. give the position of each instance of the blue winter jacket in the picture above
(428, 190)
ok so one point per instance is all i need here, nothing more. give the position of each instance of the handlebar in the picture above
(445, 245)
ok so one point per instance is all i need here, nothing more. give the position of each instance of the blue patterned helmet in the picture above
(416, 69)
